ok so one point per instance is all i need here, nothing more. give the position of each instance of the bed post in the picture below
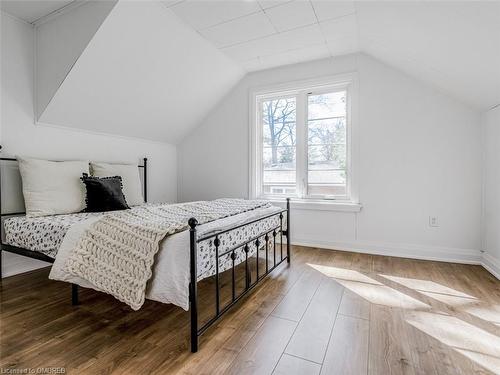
(193, 287)
(288, 230)
(145, 163)
(74, 294)
(1, 222)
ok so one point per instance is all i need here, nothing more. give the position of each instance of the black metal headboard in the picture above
(144, 167)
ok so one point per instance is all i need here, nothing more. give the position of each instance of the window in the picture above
(301, 141)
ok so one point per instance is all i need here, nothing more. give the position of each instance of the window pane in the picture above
(286, 138)
(327, 144)
(327, 105)
(327, 157)
(327, 131)
(327, 176)
(337, 190)
(327, 182)
(285, 158)
(278, 121)
(279, 146)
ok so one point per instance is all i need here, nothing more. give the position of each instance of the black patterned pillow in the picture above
(104, 193)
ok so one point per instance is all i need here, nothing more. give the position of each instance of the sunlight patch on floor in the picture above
(490, 313)
(427, 286)
(344, 274)
(434, 290)
(370, 289)
(474, 343)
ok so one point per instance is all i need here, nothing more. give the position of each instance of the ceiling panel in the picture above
(31, 11)
(326, 10)
(295, 56)
(292, 15)
(288, 57)
(239, 30)
(170, 3)
(203, 14)
(265, 4)
(338, 28)
(277, 43)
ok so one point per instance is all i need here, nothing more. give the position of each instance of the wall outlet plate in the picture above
(433, 221)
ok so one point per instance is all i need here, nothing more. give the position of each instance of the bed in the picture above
(185, 257)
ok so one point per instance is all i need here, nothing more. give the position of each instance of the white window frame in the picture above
(301, 90)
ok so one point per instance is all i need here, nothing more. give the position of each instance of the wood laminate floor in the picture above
(330, 312)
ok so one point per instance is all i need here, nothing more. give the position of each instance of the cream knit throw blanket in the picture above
(117, 252)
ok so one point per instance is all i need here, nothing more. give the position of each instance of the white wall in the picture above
(419, 156)
(491, 202)
(19, 135)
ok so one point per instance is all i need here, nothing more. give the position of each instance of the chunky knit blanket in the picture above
(117, 252)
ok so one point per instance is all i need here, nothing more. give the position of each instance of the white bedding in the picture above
(170, 281)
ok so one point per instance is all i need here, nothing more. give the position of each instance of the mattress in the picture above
(45, 235)
(41, 234)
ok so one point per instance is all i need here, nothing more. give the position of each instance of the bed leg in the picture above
(74, 294)
(193, 287)
(0, 261)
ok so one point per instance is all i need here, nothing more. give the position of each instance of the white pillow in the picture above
(132, 187)
(52, 187)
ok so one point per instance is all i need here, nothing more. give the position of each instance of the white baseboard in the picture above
(441, 254)
(491, 264)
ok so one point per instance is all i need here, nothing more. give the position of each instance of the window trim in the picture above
(256, 94)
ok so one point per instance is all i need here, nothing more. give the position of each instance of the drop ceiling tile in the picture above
(297, 55)
(265, 4)
(170, 3)
(203, 14)
(301, 37)
(344, 27)
(291, 15)
(288, 57)
(327, 9)
(239, 30)
(277, 43)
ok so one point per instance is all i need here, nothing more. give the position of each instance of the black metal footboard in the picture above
(269, 237)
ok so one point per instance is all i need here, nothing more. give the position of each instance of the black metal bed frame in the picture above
(249, 285)
(270, 264)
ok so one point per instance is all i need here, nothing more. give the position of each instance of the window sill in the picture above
(318, 205)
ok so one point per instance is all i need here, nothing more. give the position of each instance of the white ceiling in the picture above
(31, 11)
(267, 33)
(452, 45)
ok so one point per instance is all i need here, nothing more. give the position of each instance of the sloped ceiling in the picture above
(454, 45)
(144, 74)
(57, 51)
(154, 69)
(33, 10)
(264, 34)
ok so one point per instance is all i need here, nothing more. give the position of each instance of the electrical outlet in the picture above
(433, 221)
